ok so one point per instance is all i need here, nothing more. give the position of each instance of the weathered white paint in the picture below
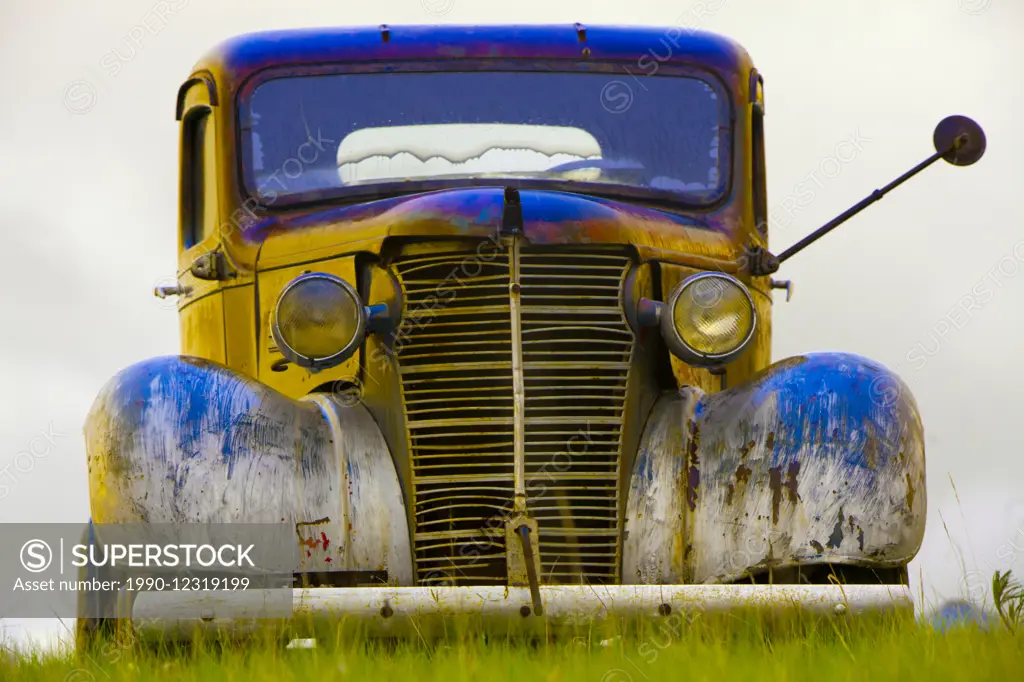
(655, 543)
(376, 531)
(198, 443)
(413, 612)
(706, 506)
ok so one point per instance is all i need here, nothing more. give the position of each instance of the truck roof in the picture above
(239, 57)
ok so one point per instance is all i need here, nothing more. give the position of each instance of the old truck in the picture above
(484, 314)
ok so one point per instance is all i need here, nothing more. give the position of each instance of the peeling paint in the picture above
(158, 433)
(791, 484)
(775, 484)
(692, 483)
(836, 539)
(693, 473)
(822, 450)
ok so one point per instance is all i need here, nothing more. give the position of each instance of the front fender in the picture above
(185, 440)
(818, 459)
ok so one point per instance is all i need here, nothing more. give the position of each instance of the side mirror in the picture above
(957, 139)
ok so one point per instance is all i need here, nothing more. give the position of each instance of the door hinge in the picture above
(759, 261)
(210, 266)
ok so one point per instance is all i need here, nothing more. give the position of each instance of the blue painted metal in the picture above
(642, 47)
(819, 459)
(555, 217)
(183, 440)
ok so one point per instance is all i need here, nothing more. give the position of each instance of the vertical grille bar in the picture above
(519, 401)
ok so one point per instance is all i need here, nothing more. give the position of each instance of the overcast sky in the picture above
(88, 215)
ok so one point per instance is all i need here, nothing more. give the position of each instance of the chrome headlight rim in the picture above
(337, 358)
(675, 341)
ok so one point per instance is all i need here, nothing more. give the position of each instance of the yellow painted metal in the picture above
(202, 328)
(239, 344)
(758, 356)
(202, 307)
(273, 369)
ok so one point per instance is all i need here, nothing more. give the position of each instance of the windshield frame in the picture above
(618, 70)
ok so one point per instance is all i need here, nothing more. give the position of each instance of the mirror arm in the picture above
(867, 201)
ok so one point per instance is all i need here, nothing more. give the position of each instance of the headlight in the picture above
(708, 319)
(319, 321)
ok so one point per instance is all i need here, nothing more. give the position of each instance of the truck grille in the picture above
(455, 357)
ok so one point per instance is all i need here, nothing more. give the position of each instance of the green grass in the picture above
(738, 647)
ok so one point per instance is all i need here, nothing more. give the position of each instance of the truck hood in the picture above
(548, 217)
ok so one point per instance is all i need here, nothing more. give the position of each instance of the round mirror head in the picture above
(960, 140)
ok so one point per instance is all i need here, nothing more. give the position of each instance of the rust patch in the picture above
(692, 483)
(792, 471)
(694, 442)
(745, 449)
(860, 538)
(871, 448)
(312, 542)
(817, 547)
(693, 473)
(730, 489)
(305, 524)
(770, 443)
(836, 538)
(910, 494)
(775, 483)
(742, 474)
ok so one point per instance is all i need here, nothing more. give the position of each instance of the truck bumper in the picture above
(429, 613)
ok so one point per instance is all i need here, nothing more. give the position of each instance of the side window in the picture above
(198, 208)
(759, 169)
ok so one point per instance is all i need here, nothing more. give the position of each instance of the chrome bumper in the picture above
(423, 612)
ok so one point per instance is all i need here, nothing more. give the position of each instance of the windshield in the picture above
(312, 136)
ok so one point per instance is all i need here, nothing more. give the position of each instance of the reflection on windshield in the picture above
(460, 150)
(386, 128)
